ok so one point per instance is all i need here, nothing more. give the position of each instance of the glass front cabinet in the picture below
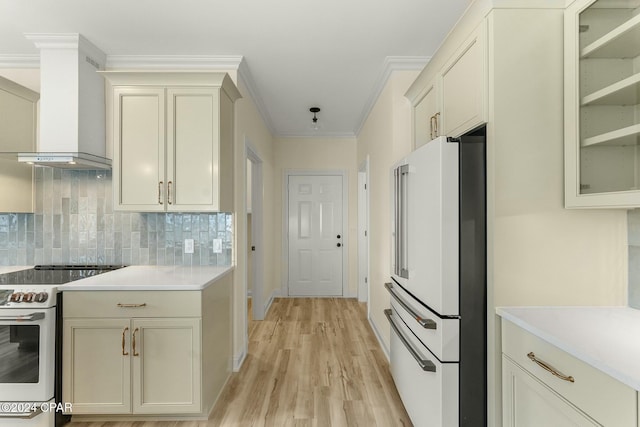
(602, 104)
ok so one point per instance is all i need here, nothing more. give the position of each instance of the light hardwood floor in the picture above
(312, 362)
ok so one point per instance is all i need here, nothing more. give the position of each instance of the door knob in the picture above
(339, 245)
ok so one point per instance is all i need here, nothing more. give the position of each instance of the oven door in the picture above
(27, 353)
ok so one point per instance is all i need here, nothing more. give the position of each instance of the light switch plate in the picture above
(217, 246)
(188, 246)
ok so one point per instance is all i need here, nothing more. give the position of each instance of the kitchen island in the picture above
(563, 365)
(147, 342)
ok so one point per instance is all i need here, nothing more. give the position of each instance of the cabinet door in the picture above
(526, 402)
(139, 183)
(18, 125)
(96, 366)
(602, 104)
(193, 151)
(426, 116)
(166, 366)
(464, 86)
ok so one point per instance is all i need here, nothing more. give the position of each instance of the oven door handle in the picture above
(22, 415)
(425, 323)
(25, 318)
(425, 364)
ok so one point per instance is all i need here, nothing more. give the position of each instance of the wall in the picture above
(251, 129)
(74, 223)
(633, 220)
(318, 154)
(385, 137)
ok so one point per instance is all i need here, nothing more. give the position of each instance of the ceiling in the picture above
(332, 54)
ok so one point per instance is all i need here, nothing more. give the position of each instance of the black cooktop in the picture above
(54, 274)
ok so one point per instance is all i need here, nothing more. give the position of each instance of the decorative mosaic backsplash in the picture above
(74, 223)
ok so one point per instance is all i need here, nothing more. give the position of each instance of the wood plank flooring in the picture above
(312, 362)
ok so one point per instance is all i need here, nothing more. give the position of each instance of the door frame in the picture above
(257, 264)
(285, 223)
(363, 233)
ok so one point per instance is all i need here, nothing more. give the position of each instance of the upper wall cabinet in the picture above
(454, 99)
(18, 122)
(172, 141)
(464, 86)
(602, 99)
(426, 115)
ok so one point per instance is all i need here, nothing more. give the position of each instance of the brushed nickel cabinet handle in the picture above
(144, 304)
(435, 120)
(169, 192)
(124, 331)
(431, 127)
(133, 343)
(549, 369)
(160, 193)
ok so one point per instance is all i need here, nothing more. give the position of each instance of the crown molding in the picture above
(244, 74)
(20, 61)
(391, 64)
(173, 62)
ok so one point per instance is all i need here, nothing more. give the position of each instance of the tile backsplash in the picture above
(74, 223)
(633, 223)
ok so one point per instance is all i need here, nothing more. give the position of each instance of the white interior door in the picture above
(315, 235)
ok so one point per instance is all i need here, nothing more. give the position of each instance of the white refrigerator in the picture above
(438, 283)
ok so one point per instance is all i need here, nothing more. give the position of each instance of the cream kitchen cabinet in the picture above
(18, 122)
(155, 369)
(172, 139)
(543, 385)
(602, 104)
(426, 115)
(454, 99)
(464, 86)
(146, 353)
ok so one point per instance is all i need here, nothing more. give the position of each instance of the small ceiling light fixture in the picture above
(314, 125)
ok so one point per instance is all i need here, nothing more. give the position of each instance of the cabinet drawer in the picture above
(441, 336)
(132, 304)
(603, 398)
(429, 396)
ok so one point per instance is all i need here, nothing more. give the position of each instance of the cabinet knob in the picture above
(339, 245)
(338, 236)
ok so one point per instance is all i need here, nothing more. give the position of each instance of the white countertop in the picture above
(150, 278)
(607, 338)
(12, 268)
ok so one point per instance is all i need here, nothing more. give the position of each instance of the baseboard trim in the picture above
(267, 305)
(376, 332)
(239, 360)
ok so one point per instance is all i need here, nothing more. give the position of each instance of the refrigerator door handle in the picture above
(425, 323)
(425, 364)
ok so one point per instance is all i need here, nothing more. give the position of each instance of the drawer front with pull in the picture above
(603, 398)
(440, 335)
(428, 388)
(91, 304)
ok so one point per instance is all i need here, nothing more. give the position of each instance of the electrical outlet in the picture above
(188, 246)
(217, 246)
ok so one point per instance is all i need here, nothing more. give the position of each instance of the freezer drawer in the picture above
(428, 388)
(441, 336)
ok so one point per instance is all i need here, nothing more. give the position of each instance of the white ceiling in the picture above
(299, 53)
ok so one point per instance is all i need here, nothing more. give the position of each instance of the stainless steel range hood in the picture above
(72, 104)
(65, 160)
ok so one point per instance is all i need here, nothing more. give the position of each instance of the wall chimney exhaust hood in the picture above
(72, 104)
